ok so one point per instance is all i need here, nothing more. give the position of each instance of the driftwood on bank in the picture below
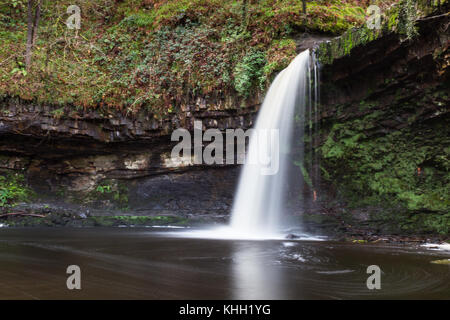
(21, 214)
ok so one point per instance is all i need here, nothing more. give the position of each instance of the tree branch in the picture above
(21, 214)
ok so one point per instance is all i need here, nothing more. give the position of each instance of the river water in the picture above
(153, 263)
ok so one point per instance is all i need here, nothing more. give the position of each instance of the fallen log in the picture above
(21, 214)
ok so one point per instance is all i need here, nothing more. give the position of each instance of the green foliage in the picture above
(13, 190)
(157, 54)
(57, 113)
(393, 18)
(282, 17)
(20, 69)
(181, 63)
(104, 189)
(112, 190)
(249, 72)
(415, 222)
(438, 223)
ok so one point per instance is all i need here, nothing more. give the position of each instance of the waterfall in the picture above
(290, 109)
(260, 200)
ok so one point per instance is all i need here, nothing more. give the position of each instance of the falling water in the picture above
(260, 200)
(290, 106)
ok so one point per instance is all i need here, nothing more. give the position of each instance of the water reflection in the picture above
(257, 272)
(118, 263)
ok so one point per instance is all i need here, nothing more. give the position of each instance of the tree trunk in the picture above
(244, 14)
(304, 7)
(29, 34)
(37, 16)
(33, 23)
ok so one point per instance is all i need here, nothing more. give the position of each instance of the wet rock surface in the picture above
(384, 132)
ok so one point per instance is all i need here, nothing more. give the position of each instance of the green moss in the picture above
(399, 18)
(327, 52)
(406, 169)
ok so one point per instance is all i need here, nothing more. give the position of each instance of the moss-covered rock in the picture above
(328, 51)
(400, 19)
(384, 129)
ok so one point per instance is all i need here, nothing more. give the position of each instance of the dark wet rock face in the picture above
(384, 140)
(206, 191)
